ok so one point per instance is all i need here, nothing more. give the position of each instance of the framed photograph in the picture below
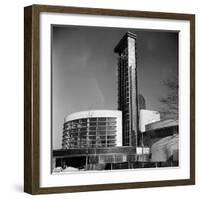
(109, 99)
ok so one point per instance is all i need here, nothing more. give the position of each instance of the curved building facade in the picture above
(92, 129)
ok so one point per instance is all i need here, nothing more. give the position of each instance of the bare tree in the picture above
(170, 101)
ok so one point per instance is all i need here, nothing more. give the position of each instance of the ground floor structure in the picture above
(99, 158)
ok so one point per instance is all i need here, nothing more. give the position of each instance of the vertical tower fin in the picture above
(127, 87)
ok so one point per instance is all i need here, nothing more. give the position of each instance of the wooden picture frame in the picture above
(32, 91)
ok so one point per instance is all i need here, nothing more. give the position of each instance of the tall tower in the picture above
(127, 88)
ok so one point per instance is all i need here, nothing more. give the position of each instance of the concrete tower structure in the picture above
(127, 88)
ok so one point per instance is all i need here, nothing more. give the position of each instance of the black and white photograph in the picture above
(109, 99)
(114, 99)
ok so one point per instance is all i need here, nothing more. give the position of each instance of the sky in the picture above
(84, 69)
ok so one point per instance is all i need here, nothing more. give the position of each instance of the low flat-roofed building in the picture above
(96, 158)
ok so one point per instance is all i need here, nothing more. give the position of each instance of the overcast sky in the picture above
(84, 69)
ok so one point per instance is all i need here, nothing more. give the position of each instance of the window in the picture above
(111, 128)
(92, 136)
(102, 124)
(102, 119)
(111, 145)
(83, 129)
(101, 128)
(82, 121)
(93, 119)
(83, 137)
(111, 137)
(111, 119)
(83, 124)
(101, 133)
(93, 124)
(92, 128)
(111, 123)
(72, 134)
(111, 132)
(92, 133)
(102, 137)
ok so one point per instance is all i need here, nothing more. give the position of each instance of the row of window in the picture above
(90, 122)
(87, 135)
(80, 142)
(88, 144)
(86, 140)
(111, 132)
(91, 132)
(93, 119)
(64, 146)
(68, 137)
(92, 125)
(92, 128)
